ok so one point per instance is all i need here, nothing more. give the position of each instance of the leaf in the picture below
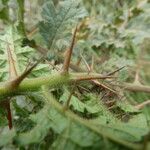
(56, 20)
(126, 106)
(92, 106)
(75, 137)
(21, 55)
(126, 131)
(45, 119)
(78, 104)
(75, 131)
(141, 31)
(67, 130)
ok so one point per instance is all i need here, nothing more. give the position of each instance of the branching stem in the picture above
(54, 80)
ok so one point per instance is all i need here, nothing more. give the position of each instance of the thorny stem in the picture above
(126, 86)
(57, 80)
(54, 80)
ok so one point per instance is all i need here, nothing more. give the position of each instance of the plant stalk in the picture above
(53, 81)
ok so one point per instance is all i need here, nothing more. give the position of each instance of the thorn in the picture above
(78, 61)
(117, 70)
(12, 67)
(92, 64)
(6, 105)
(68, 54)
(86, 64)
(32, 32)
(15, 83)
(12, 75)
(136, 80)
(9, 115)
(92, 77)
(104, 86)
(142, 105)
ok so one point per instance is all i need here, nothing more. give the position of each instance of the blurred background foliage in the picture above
(111, 34)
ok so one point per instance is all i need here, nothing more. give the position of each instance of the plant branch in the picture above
(54, 80)
(57, 80)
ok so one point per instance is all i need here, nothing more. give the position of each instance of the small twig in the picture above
(68, 54)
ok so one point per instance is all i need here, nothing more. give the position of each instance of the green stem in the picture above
(53, 81)
(29, 85)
